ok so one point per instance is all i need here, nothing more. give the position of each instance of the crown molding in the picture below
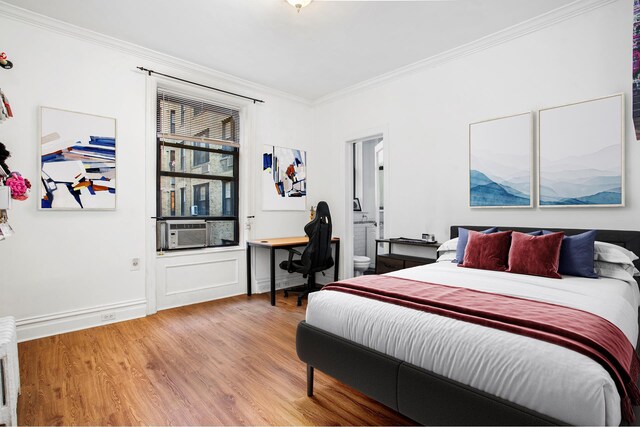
(51, 24)
(569, 11)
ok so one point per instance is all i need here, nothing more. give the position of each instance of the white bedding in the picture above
(541, 376)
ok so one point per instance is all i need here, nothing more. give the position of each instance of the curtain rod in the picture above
(201, 85)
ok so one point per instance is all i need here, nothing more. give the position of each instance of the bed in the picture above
(442, 371)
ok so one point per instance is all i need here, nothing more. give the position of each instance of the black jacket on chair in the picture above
(317, 255)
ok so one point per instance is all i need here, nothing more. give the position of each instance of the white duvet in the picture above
(541, 376)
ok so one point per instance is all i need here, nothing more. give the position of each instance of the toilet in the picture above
(360, 264)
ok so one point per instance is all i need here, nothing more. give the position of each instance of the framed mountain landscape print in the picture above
(500, 162)
(582, 154)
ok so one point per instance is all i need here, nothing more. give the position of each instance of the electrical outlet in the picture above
(135, 264)
(107, 317)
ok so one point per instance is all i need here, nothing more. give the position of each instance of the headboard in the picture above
(627, 239)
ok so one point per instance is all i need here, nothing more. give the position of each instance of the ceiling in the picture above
(329, 46)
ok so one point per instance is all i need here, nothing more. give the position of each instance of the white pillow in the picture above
(447, 256)
(628, 268)
(616, 271)
(449, 245)
(609, 252)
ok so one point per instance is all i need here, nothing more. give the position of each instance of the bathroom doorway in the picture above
(367, 188)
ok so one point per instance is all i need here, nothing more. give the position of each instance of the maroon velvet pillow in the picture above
(535, 255)
(487, 251)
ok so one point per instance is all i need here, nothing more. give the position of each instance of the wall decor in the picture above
(636, 67)
(581, 154)
(284, 178)
(500, 162)
(357, 207)
(78, 160)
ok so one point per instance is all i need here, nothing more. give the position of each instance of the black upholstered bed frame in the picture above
(426, 397)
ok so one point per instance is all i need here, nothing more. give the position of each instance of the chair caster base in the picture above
(302, 291)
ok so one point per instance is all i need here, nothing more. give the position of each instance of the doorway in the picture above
(366, 215)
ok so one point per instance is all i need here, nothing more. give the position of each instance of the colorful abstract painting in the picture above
(284, 178)
(500, 156)
(582, 154)
(78, 161)
(636, 67)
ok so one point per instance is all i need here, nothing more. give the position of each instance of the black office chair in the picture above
(316, 256)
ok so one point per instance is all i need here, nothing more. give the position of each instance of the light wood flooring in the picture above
(229, 362)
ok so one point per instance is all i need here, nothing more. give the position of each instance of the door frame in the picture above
(364, 135)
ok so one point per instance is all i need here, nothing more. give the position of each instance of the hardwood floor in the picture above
(229, 362)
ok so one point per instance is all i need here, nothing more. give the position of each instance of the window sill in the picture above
(199, 251)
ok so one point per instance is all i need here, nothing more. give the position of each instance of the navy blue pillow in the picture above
(463, 238)
(576, 254)
(535, 233)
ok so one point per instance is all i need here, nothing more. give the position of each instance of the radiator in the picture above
(9, 372)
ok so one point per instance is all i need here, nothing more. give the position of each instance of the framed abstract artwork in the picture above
(284, 178)
(77, 161)
(581, 154)
(500, 162)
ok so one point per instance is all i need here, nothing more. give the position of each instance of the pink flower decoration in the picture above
(19, 186)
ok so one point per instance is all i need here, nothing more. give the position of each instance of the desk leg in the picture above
(273, 275)
(336, 269)
(248, 270)
(376, 259)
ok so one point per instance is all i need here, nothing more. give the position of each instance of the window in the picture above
(227, 199)
(173, 203)
(226, 162)
(201, 199)
(228, 129)
(197, 175)
(183, 202)
(172, 160)
(201, 157)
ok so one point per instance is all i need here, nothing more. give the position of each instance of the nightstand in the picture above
(392, 261)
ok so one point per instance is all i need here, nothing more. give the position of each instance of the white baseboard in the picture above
(200, 300)
(73, 320)
(264, 285)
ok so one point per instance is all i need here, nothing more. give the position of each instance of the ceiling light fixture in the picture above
(299, 4)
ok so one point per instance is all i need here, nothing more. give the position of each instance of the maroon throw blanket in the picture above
(574, 329)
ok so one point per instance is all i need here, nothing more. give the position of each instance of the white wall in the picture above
(427, 112)
(62, 269)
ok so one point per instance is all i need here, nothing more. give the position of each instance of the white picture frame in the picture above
(78, 161)
(501, 162)
(581, 154)
(282, 191)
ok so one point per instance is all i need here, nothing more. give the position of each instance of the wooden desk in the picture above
(283, 243)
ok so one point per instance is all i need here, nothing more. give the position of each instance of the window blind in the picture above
(199, 121)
